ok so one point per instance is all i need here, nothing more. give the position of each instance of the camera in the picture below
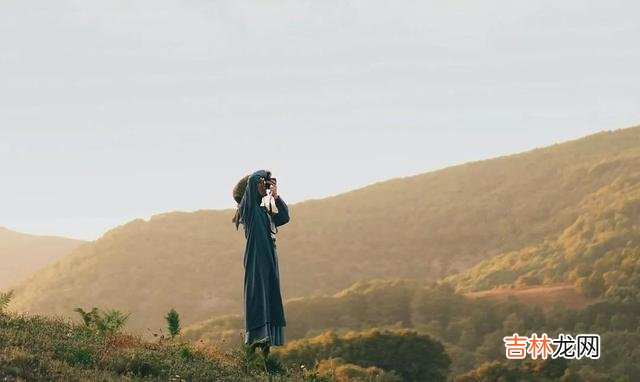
(267, 185)
(266, 180)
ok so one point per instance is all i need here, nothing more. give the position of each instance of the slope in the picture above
(22, 254)
(424, 226)
(599, 253)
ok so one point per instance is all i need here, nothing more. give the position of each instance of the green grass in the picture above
(39, 348)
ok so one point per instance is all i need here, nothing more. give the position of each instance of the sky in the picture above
(116, 110)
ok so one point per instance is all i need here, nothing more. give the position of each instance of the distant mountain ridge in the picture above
(22, 254)
(424, 227)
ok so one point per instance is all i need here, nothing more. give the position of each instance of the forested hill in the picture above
(423, 226)
(599, 252)
(21, 254)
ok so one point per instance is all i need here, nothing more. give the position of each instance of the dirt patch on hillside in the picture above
(546, 296)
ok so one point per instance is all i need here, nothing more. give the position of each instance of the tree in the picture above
(592, 286)
(413, 356)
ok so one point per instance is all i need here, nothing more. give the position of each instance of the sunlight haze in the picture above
(117, 110)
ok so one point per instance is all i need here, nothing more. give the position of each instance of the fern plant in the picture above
(103, 323)
(112, 321)
(88, 317)
(5, 298)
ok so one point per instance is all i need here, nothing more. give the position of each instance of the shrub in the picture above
(103, 323)
(173, 322)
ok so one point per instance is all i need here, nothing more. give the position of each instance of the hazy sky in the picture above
(113, 110)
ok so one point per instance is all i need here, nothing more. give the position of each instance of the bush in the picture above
(173, 322)
(103, 323)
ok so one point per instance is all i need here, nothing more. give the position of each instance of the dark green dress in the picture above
(264, 312)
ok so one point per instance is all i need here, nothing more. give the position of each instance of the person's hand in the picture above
(274, 188)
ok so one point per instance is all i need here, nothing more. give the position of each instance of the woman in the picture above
(260, 213)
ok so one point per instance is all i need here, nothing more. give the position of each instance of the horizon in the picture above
(147, 218)
(128, 110)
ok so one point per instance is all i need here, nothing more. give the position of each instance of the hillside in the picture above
(471, 326)
(599, 253)
(38, 348)
(382, 304)
(427, 317)
(424, 227)
(22, 254)
(367, 304)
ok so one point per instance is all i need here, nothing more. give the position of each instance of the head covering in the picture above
(238, 190)
(268, 202)
(238, 193)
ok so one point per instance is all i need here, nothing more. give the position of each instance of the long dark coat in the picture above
(262, 297)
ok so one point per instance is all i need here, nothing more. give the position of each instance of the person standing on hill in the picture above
(261, 210)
